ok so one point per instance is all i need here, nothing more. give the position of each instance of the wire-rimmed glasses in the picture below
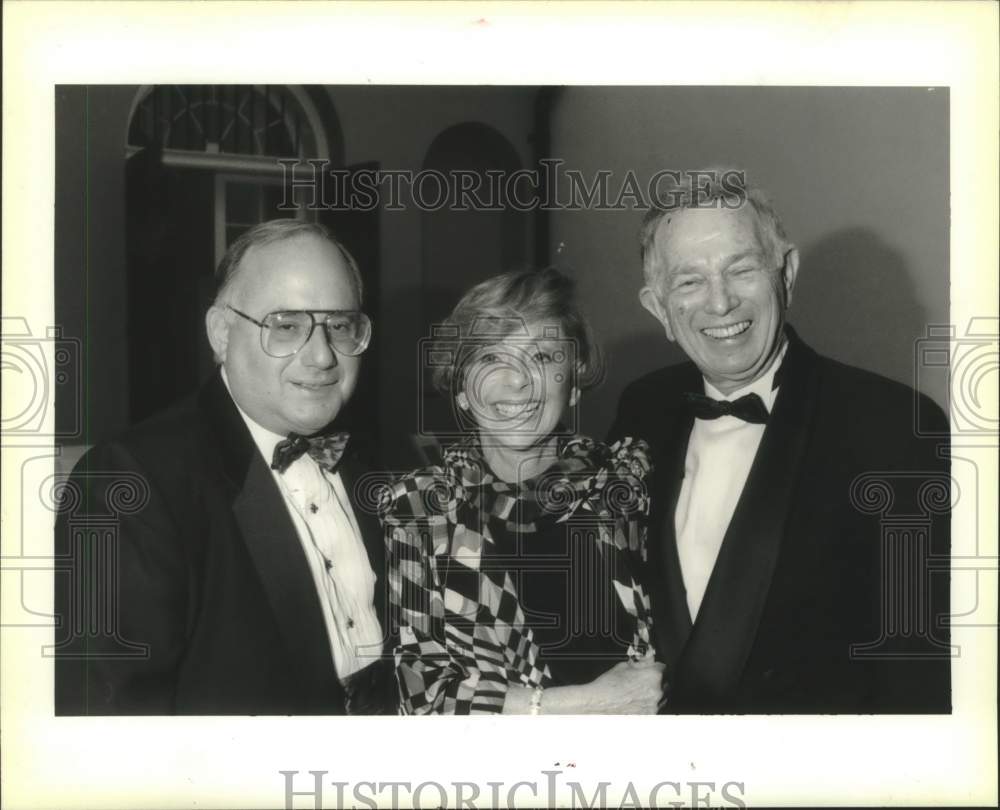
(284, 333)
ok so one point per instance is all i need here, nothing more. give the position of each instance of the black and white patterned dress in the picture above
(460, 547)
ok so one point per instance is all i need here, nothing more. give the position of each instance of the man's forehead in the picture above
(694, 226)
(299, 247)
(687, 231)
(293, 270)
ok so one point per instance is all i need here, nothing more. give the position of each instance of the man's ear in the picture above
(651, 301)
(790, 272)
(462, 400)
(217, 326)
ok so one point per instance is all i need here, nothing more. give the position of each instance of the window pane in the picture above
(273, 197)
(242, 200)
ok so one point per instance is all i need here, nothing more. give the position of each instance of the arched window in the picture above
(237, 132)
(211, 124)
(202, 167)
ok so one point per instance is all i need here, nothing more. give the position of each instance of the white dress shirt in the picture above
(328, 531)
(719, 455)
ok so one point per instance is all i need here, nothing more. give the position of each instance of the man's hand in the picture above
(627, 688)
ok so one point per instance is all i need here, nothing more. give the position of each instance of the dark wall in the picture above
(390, 127)
(90, 288)
(397, 127)
(860, 176)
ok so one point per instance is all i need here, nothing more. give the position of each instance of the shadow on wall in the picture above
(627, 360)
(855, 300)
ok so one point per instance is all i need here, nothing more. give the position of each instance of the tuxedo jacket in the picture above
(830, 591)
(182, 586)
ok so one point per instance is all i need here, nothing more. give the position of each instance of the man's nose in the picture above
(317, 351)
(721, 298)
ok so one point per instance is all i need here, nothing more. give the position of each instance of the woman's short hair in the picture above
(266, 233)
(503, 306)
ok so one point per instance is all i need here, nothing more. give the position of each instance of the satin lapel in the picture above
(271, 538)
(351, 469)
(737, 590)
(227, 439)
(671, 618)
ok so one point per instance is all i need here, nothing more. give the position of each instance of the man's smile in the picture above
(726, 332)
(314, 386)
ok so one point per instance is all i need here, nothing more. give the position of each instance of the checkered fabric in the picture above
(463, 635)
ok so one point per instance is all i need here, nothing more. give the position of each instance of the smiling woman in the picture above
(512, 564)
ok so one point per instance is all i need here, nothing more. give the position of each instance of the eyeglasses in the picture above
(283, 334)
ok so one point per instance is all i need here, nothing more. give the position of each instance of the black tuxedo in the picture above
(817, 559)
(211, 578)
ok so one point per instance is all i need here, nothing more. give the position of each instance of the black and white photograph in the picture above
(657, 409)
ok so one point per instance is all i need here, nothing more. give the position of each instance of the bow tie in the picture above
(749, 408)
(324, 450)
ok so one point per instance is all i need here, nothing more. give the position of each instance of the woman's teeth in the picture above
(721, 332)
(515, 408)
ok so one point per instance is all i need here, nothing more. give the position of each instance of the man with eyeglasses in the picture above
(247, 580)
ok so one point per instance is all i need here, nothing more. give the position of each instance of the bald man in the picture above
(245, 580)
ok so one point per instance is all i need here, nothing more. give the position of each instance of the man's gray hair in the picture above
(713, 188)
(266, 233)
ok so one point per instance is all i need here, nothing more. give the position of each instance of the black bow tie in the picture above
(324, 450)
(749, 408)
